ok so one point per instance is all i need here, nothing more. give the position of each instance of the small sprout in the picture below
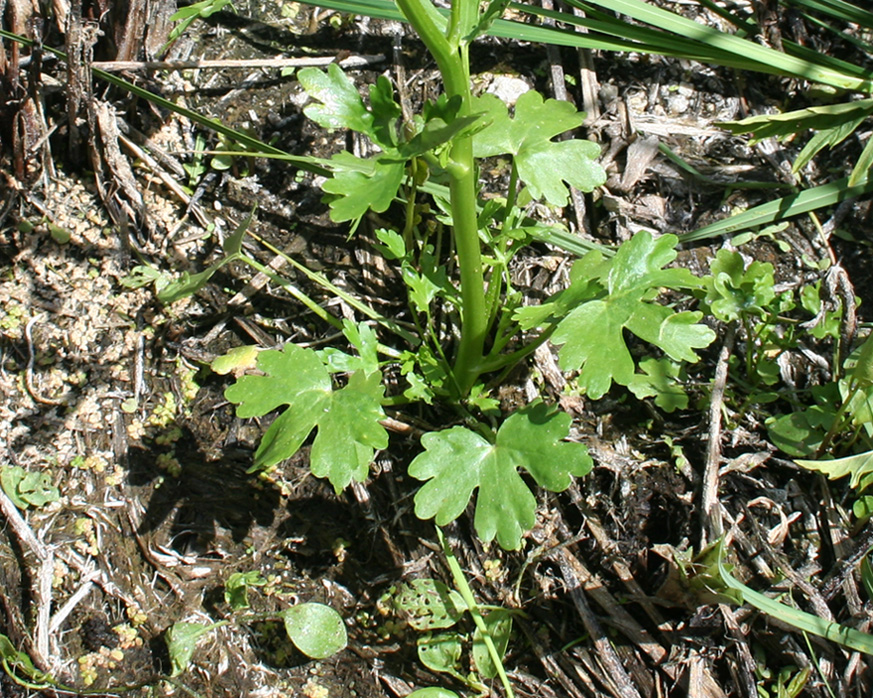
(237, 361)
(168, 462)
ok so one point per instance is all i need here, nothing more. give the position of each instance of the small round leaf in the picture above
(317, 630)
(433, 692)
(441, 653)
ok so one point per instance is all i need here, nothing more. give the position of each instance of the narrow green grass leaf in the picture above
(796, 204)
(693, 31)
(838, 9)
(806, 622)
(862, 167)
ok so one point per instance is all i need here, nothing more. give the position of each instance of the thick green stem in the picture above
(474, 313)
(452, 58)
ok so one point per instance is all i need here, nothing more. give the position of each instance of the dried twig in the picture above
(712, 526)
(617, 680)
(747, 662)
(351, 62)
(39, 650)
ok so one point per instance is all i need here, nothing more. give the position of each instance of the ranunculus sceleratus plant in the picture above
(432, 167)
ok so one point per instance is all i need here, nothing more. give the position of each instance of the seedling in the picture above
(841, 417)
(25, 488)
(315, 629)
(435, 610)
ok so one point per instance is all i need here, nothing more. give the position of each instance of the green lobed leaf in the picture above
(37, 489)
(862, 371)
(859, 404)
(544, 165)
(427, 281)
(828, 324)
(10, 477)
(661, 379)
(458, 461)
(360, 185)
(392, 247)
(386, 113)
(27, 488)
(800, 433)
(341, 106)
(347, 419)
(363, 338)
(855, 466)
(592, 333)
(584, 285)
(315, 629)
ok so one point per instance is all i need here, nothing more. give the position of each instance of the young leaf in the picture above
(733, 290)
(661, 379)
(236, 588)
(441, 653)
(186, 285)
(181, 641)
(237, 359)
(20, 662)
(544, 165)
(433, 692)
(393, 246)
(232, 244)
(347, 419)
(593, 332)
(316, 630)
(341, 106)
(499, 626)
(457, 461)
(360, 185)
(142, 275)
(439, 125)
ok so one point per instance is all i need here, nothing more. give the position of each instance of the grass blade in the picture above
(780, 209)
(807, 622)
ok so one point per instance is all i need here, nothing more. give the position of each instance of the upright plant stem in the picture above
(451, 56)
